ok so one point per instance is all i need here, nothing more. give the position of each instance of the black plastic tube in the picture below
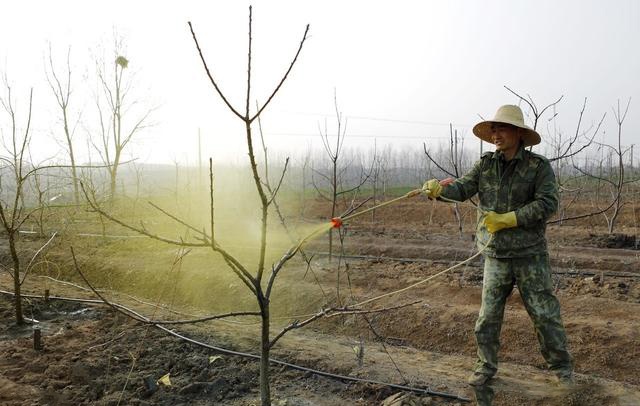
(253, 356)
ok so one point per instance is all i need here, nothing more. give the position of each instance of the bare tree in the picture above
(454, 159)
(619, 153)
(253, 281)
(113, 105)
(615, 180)
(378, 169)
(334, 176)
(256, 282)
(41, 201)
(13, 210)
(61, 88)
(565, 149)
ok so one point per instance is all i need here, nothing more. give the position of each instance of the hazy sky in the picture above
(402, 70)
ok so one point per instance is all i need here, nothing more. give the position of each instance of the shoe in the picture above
(478, 379)
(565, 379)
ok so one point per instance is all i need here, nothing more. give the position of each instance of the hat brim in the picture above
(483, 131)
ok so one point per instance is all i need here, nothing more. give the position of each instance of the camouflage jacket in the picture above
(526, 185)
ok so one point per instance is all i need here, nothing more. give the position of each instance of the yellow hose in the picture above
(337, 222)
(429, 278)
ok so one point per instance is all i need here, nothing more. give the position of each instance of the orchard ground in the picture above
(93, 355)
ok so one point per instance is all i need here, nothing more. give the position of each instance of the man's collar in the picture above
(518, 156)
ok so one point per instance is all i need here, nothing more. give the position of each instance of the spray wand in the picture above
(337, 222)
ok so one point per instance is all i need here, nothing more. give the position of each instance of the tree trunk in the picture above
(265, 391)
(16, 278)
(113, 171)
(74, 174)
(112, 185)
(616, 211)
(334, 203)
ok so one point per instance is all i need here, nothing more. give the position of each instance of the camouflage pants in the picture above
(532, 275)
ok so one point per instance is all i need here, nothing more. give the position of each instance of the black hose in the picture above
(253, 356)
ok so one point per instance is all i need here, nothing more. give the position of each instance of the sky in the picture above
(401, 71)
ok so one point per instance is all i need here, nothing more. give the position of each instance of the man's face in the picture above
(505, 136)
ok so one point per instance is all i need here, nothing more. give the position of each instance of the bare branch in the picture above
(317, 172)
(537, 114)
(304, 37)
(435, 162)
(108, 303)
(206, 68)
(585, 173)
(206, 238)
(145, 320)
(354, 208)
(246, 116)
(320, 193)
(138, 230)
(332, 312)
(566, 154)
(275, 192)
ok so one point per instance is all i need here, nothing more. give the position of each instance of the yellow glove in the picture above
(495, 222)
(432, 188)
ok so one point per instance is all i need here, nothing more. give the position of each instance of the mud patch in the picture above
(616, 240)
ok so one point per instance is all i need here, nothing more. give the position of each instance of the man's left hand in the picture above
(495, 222)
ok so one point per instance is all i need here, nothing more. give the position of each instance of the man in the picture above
(518, 193)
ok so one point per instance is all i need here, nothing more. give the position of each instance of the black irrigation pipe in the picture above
(253, 356)
(611, 274)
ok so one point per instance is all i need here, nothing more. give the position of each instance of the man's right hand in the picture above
(432, 188)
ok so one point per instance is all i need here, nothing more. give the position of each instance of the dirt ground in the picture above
(93, 355)
(88, 359)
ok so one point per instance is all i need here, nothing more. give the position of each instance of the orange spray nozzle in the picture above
(336, 222)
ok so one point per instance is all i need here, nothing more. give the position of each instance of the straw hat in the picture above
(507, 114)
